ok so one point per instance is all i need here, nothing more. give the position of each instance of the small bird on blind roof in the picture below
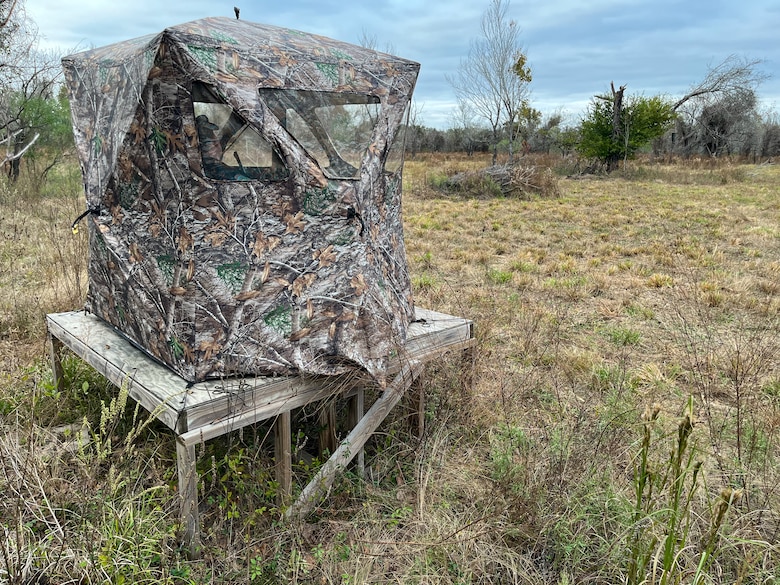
(236, 9)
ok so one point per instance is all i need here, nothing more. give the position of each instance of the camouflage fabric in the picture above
(245, 188)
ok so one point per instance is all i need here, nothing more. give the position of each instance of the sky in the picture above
(575, 48)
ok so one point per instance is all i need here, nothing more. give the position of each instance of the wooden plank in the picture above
(266, 397)
(283, 456)
(434, 332)
(319, 486)
(270, 406)
(106, 351)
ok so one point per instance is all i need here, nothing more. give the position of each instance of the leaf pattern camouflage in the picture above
(292, 263)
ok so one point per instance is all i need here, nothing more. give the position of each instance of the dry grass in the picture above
(649, 287)
(43, 264)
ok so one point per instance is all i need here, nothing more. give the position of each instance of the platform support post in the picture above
(357, 406)
(327, 424)
(420, 408)
(55, 350)
(321, 483)
(188, 494)
(283, 456)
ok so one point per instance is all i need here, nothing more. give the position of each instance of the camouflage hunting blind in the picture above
(243, 184)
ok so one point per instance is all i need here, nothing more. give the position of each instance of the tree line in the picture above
(717, 116)
(734, 126)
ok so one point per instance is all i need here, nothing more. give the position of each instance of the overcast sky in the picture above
(575, 48)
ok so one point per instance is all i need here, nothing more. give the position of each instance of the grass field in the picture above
(617, 422)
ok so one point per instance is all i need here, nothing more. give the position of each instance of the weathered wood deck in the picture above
(203, 411)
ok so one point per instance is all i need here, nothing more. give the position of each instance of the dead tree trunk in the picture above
(617, 134)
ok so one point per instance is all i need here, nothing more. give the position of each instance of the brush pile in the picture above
(509, 180)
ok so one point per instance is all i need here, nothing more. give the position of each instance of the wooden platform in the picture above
(203, 411)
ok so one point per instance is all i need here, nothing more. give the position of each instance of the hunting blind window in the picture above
(333, 127)
(230, 148)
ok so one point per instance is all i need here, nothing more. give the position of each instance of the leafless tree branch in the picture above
(733, 74)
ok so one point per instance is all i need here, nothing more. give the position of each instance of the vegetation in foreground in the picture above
(616, 423)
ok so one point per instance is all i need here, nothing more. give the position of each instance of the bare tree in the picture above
(769, 137)
(714, 108)
(7, 10)
(369, 41)
(27, 77)
(543, 132)
(462, 121)
(728, 124)
(733, 74)
(494, 78)
(414, 130)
